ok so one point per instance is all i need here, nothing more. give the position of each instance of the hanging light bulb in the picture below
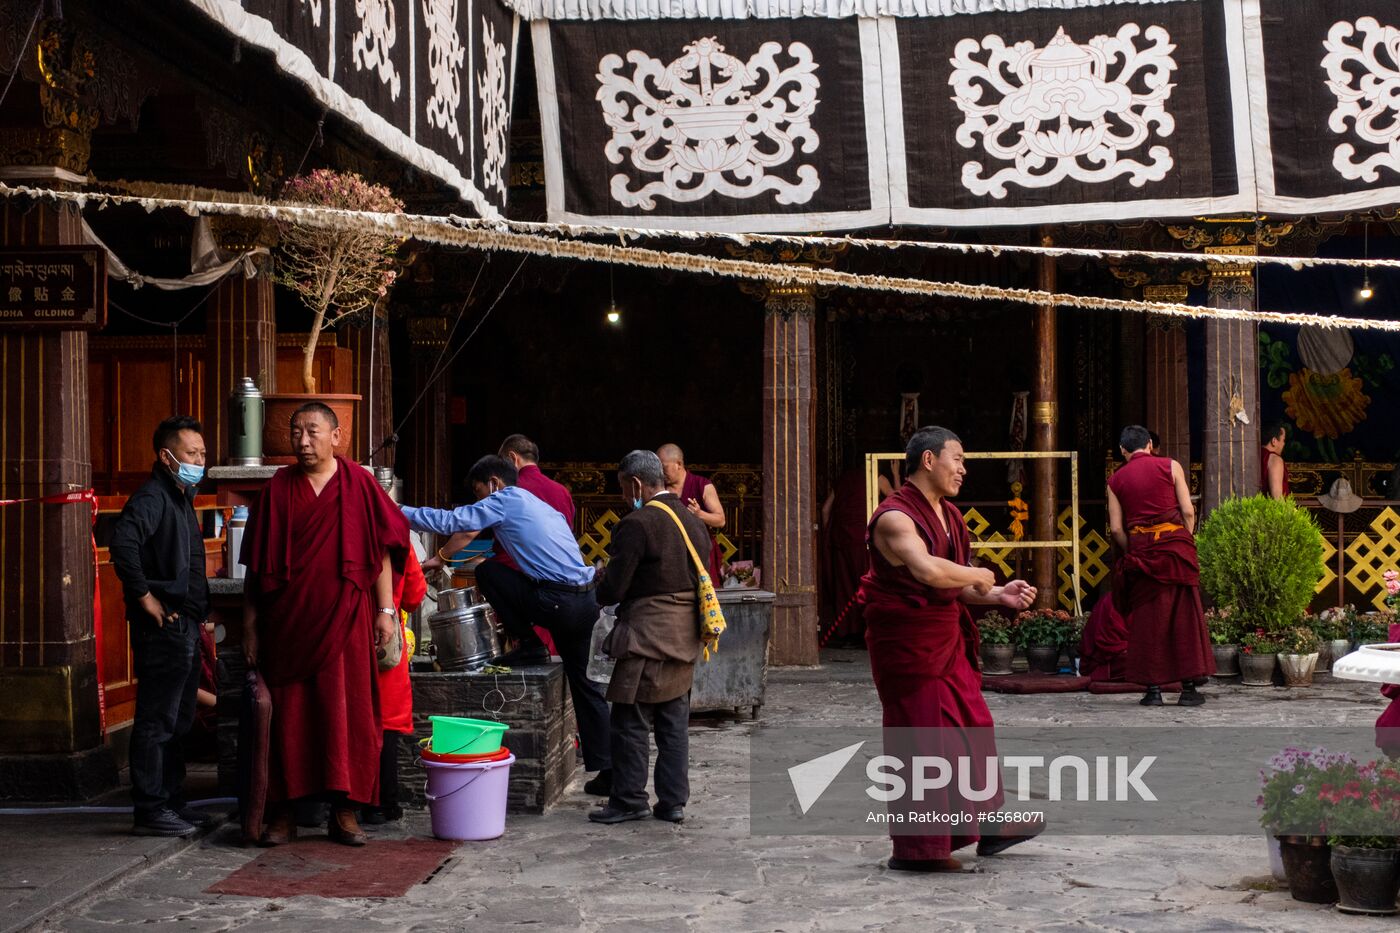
(614, 313)
(1366, 290)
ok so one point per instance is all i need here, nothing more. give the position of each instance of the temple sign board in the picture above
(54, 288)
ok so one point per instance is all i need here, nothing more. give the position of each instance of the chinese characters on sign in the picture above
(62, 287)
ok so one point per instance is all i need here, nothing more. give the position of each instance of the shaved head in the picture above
(672, 464)
(671, 452)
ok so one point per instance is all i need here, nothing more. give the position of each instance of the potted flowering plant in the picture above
(1294, 813)
(1333, 629)
(997, 635)
(1362, 822)
(1224, 628)
(1298, 649)
(1042, 633)
(1372, 628)
(1258, 657)
(340, 275)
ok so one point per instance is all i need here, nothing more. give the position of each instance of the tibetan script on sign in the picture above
(59, 287)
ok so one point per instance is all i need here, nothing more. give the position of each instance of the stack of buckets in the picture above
(468, 777)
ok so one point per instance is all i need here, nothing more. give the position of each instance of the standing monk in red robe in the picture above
(322, 548)
(922, 641)
(1158, 582)
(699, 496)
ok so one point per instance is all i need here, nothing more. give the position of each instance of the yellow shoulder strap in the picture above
(685, 536)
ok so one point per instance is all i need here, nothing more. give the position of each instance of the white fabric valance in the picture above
(786, 9)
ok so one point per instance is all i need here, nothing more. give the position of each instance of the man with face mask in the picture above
(157, 550)
(550, 586)
(656, 641)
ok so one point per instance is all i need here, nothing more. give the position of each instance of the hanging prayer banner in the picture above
(430, 80)
(1064, 115)
(1327, 116)
(753, 125)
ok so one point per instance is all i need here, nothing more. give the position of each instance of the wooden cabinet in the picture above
(131, 389)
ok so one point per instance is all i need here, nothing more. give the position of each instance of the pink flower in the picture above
(1390, 575)
(1392, 587)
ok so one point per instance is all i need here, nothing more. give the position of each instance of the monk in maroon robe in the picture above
(844, 518)
(1157, 583)
(698, 495)
(322, 550)
(1103, 648)
(923, 643)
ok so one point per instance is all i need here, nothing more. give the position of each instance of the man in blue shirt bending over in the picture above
(552, 588)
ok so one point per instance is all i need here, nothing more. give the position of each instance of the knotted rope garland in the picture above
(498, 237)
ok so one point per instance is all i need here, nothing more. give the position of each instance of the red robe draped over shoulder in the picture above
(312, 563)
(694, 488)
(1157, 587)
(923, 655)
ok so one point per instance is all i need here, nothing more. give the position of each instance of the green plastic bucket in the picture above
(453, 735)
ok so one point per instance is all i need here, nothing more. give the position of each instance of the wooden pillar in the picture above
(241, 337)
(51, 743)
(369, 347)
(1165, 379)
(789, 474)
(1230, 455)
(1044, 436)
(427, 480)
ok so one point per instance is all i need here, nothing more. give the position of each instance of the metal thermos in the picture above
(245, 420)
(236, 524)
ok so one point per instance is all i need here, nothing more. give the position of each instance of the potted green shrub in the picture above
(1258, 658)
(1294, 812)
(1298, 649)
(998, 648)
(1261, 559)
(1225, 634)
(1363, 821)
(1372, 628)
(1042, 633)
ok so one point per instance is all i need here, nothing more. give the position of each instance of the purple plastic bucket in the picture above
(467, 800)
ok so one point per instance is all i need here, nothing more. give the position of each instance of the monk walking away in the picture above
(1157, 587)
(323, 549)
(924, 646)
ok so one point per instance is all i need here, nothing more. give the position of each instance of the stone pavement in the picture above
(560, 872)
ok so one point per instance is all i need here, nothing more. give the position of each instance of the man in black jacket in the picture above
(656, 642)
(157, 551)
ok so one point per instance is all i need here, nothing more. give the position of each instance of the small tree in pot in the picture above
(337, 273)
(1261, 559)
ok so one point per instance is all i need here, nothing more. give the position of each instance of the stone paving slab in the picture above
(560, 872)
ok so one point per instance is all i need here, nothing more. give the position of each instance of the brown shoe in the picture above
(281, 826)
(344, 828)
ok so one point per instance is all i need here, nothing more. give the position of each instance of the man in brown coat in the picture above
(656, 642)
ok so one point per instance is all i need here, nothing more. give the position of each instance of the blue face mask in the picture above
(188, 474)
(636, 504)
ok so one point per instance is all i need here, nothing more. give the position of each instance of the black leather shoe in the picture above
(925, 864)
(600, 785)
(669, 814)
(195, 817)
(163, 823)
(524, 657)
(1190, 696)
(610, 815)
(1153, 697)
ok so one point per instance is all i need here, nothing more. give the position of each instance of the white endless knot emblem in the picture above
(495, 113)
(1069, 110)
(1365, 79)
(445, 55)
(371, 45)
(710, 123)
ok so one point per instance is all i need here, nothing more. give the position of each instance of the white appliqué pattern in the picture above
(1365, 79)
(315, 6)
(708, 122)
(445, 56)
(495, 114)
(1064, 111)
(371, 45)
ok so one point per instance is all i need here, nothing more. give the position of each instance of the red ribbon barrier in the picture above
(69, 498)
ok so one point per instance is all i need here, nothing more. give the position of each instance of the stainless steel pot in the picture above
(466, 636)
(460, 598)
